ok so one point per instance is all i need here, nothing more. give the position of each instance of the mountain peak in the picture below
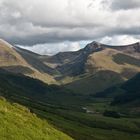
(93, 47)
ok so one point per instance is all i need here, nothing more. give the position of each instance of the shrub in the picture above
(113, 114)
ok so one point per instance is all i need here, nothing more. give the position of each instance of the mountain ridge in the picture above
(67, 68)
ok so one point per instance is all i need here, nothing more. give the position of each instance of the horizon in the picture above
(35, 48)
(81, 47)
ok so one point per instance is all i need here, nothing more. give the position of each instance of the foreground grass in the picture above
(17, 123)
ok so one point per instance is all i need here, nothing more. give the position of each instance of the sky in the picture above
(50, 26)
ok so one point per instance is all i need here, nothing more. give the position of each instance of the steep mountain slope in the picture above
(35, 61)
(112, 67)
(18, 123)
(8, 56)
(73, 63)
(14, 62)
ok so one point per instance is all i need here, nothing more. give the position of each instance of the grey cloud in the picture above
(125, 4)
(33, 22)
(72, 35)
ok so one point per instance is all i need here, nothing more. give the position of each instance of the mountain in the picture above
(74, 63)
(89, 60)
(101, 67)
(80, 70)
(12, 61)
(114, 60)
(95, 62)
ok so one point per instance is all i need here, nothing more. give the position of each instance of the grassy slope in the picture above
(22, 86)
(17, 123)
(113, 60)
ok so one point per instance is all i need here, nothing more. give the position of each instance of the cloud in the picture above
(33, 22)
(125, 4)
(53, 48)
(119, 40)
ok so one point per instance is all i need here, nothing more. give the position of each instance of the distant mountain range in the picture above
(79, 71)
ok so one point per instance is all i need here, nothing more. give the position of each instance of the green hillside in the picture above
(125, 97)
(92, 84)
(16, 86)
(17, 123)
(131, 92)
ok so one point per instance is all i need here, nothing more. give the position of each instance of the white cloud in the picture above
(53, 48)
(119, 40)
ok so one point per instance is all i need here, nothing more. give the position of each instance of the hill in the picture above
(131, 94)
(17, 87)
(114, 60)
(124, 98)
(91, 84)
